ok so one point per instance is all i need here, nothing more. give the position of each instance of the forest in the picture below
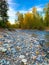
(29, 20)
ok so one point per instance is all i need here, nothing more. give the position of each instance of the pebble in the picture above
(1, 36)
(24, 61)
(2, 49)
(21, 56)
(39, 58)
(21, 48)
(18, 48)
(34, 57)
(37, 52)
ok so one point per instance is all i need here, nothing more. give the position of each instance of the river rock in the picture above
(18, 48)
(37, 52)
(48, 50)
(23, 62)
(1, 36)
(3, 61)
(39, 59)
(1, 43)
(2, 49)
(21, 56)
(34, 57)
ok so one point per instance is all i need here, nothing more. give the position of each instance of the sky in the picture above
(24, 6)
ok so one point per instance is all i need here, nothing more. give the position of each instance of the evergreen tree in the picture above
(3, 10)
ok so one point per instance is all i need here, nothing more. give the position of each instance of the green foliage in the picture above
(47, 15)
(25, 21)
(3, 12)
(31, 20)
(2, 24)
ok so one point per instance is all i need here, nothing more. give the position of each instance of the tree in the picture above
(30, 20)
(3, 10)
(37, 22)
(20, 18)
(47, 15)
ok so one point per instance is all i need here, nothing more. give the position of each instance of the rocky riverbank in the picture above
(20, 48)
